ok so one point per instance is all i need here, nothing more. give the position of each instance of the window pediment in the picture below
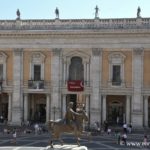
(116, 58)
(3, 57)
(80, 54)
(37, 57)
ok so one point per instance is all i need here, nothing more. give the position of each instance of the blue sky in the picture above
(73, 9)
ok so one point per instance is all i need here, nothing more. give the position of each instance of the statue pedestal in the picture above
(66, 147)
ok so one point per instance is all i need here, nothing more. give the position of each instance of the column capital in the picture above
(48, 95)
(138, 51)
(25, 94)
(9, 94)
(104, 95)
(18, 51)
(96, 51)
(146, 97)
(56, 51)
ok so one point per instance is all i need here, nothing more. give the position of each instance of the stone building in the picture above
(101, 64)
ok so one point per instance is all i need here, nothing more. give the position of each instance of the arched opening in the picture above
(76, 71)
(116, 110)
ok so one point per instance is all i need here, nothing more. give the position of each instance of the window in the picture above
(116, 69)
(37, 72)
(116, 75)
(76, 69)
(1, 72)
(37, 66)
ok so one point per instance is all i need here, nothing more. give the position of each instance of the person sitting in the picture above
(70, 115)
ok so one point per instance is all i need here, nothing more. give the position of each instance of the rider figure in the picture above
(70, 114)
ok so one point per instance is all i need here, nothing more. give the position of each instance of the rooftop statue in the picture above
(18, 14)
(138, 12)
(57, 12)
(96, 11)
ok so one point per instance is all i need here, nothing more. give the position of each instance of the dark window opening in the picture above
(37, 72)
(116, 76)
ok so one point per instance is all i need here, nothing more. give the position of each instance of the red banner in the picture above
(75, 85)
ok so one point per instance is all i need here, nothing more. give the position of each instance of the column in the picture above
(85, 73)
(26, 107)
(104, 108)
(32, 106)
(128, 112)
(88, 73)
(95, 72)
(63, 105)
(64, 72)
(17, 97)
(87, 104)
(146, 111)
(47, 107)
(137, 100)
(9, 107)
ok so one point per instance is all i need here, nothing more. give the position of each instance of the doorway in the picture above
(116, 110)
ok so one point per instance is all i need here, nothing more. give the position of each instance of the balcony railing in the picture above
(119, 84)
(36, 84)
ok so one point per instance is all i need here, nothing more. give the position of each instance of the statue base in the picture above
(66, 147)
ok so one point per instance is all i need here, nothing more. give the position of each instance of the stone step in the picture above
(66, 147)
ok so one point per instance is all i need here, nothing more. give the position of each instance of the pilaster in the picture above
(47, 107)
(95, 105)
(17, 100)
(55, 79)
(146, 111)
(26, 107)
(9, 107)
(128, 110)
(137, 99)
(104, 109)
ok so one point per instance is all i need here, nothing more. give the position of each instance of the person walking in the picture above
(14, 134)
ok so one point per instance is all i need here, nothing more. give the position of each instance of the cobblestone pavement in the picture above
(40, 142)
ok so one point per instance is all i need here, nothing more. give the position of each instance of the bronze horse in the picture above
(57, 128)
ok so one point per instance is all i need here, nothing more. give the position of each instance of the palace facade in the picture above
(102, 65)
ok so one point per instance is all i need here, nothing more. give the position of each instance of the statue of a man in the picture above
(138, 12)
(96, 11)
(70, 114)
(57, 12)
(18, 14)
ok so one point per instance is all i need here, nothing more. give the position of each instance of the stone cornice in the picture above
(75, 33)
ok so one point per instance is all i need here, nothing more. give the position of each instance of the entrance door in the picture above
(115, 113)
(40, 113)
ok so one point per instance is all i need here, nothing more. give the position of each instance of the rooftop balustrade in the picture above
(66, 24)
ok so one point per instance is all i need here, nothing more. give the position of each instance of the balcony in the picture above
(37, 85)
(122, 87)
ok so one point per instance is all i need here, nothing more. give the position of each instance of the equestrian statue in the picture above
(71, 123)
